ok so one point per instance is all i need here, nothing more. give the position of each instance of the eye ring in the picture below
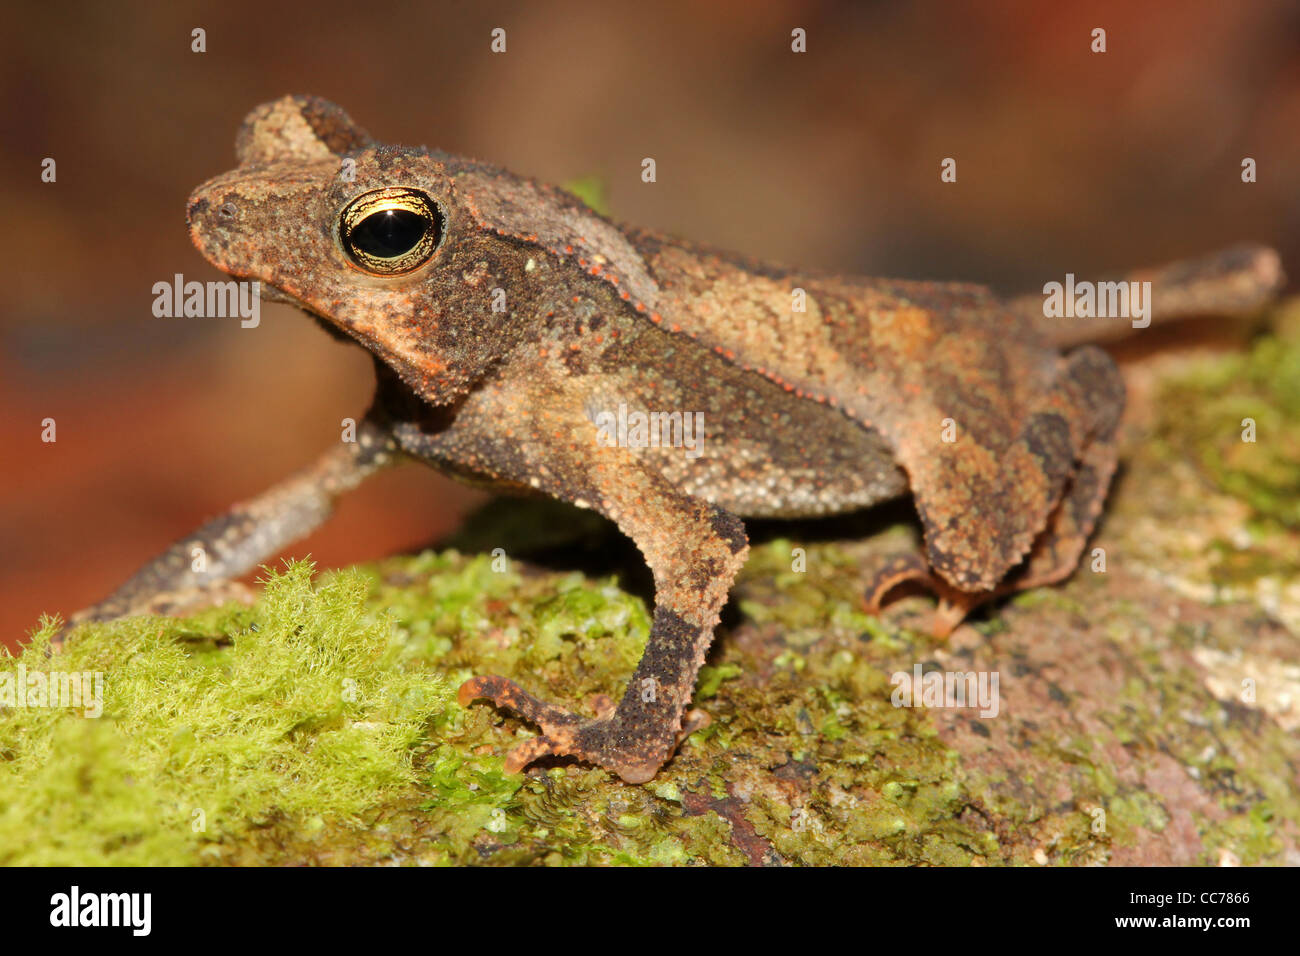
(391, 231)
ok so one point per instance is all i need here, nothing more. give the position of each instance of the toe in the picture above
(508, 694)
(521, 755)
(694, 719)
(602, 741)
(898, 570)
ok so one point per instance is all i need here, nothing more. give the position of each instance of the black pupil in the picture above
(390, 233)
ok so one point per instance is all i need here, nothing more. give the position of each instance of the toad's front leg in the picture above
(694, 550)
(251, 532)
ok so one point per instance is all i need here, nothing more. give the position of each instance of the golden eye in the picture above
(392, 231)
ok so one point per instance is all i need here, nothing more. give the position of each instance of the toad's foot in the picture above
(608, 741)
(954, 605)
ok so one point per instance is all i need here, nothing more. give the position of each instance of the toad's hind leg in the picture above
(1057, 550)
(1089, 394)
(1096, 392)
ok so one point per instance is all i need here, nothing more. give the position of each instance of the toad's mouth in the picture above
(269, 293)
(368, 338)
(266, 292)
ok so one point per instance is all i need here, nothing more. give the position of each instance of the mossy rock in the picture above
(1148, 708)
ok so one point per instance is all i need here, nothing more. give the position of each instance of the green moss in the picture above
(1251, 837)
(303, 718)
(1203, 413)
(1244, 767)
(319, 725)
(329, 734)
(593, 190)
(799, 601)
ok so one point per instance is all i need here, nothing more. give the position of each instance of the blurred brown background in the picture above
(1067, 161)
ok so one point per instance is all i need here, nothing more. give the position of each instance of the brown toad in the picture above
(518, 335)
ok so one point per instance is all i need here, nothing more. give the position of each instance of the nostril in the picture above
(227, 211)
